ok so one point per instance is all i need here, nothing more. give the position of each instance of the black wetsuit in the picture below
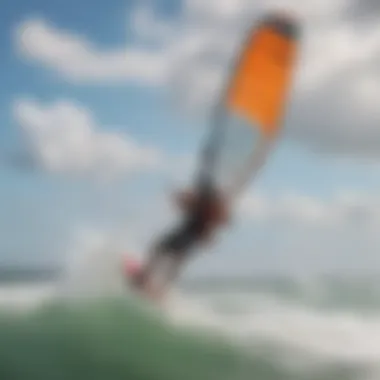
(183, 239)
(180, 242)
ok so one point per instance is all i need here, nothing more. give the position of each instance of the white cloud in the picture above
(64, 137)
(296, 233)
(335, 100)
(343, 209)
(78, 60)
(148, 27)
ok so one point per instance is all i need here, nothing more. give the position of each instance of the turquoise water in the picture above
(113, 340)
(120, 339)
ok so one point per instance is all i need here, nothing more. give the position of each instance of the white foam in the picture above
(94, 268)
(23, 297)
(344, 337)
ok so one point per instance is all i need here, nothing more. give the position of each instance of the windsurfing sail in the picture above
(249, 116)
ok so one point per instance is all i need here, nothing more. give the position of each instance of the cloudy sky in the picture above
(104, 105)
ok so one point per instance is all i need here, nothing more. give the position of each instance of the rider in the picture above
(205, 211)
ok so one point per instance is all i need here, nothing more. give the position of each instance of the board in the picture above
(131, 268)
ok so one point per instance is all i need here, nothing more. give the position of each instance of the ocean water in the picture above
(86, 326)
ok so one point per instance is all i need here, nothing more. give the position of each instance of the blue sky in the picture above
(67, 53)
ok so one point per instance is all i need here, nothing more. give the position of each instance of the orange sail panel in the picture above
(251, 108)
(259, 87)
